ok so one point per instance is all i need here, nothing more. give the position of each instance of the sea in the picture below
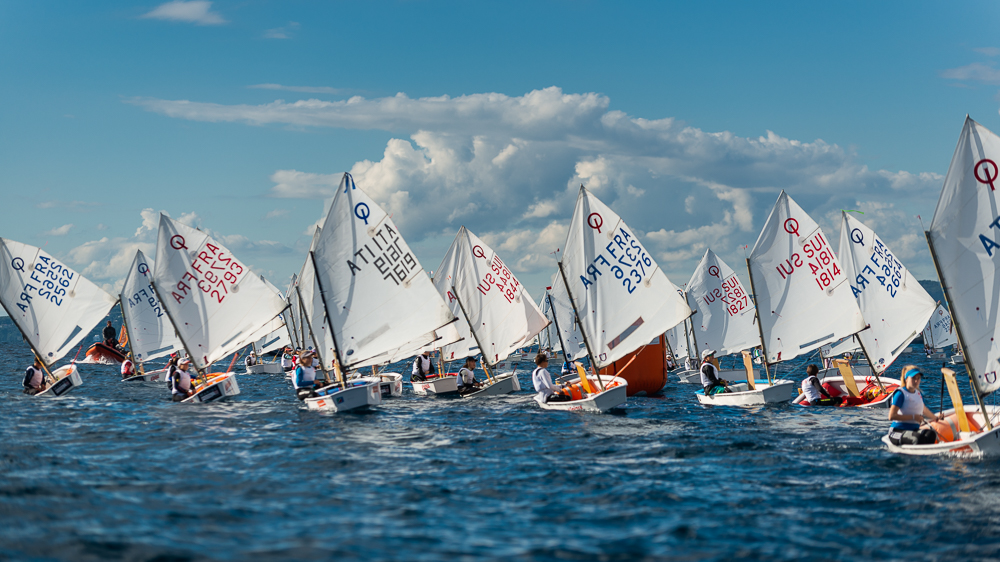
(115, 471)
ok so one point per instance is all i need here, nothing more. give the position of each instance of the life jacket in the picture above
(30, 375)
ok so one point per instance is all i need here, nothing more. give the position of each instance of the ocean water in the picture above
(115, 471)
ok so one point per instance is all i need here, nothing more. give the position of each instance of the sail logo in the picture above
(889, 273)
(218, 272)
(734, 299)
(51, 285)
(988, 176)
(819, 258)
(625, 250)
(149, 297)
(509, 286)
(989, 243)
(393, 261)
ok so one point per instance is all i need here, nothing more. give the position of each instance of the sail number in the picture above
(735, 298)
(217, 273)
(628, 262)
(146, 294)
(819, 258)
(393, 260)
(51, 280)
(500, 277)
(884, 267)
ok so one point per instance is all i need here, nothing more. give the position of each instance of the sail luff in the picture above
(583, 332)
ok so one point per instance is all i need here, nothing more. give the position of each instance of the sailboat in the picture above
(964, 239)
(52, 305)
(377, 299)
(273, 340)
(619, 296)
(893, 303)
(548, 339)
(802, 300)
(725, 322)
(214, 302)
(481, 290)
(151, 336)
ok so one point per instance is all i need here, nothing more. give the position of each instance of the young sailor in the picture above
(180, 381)
(908, 411)
(814, 391)
(251, 360)
(710, 380)
(128, 368)
(542, 380)
(467, 377)
(304, 379)
(422, 366)
(110, 336)
(286, 360)
(34, 378)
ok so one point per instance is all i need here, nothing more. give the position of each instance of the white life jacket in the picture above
(466, 377)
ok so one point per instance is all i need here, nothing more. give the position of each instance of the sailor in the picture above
(304, 378)
(568, 367)
(128, 368)
(286, 360)
(251, 360)
(547, 392)
(814, 391)
(467, 377)
(180, 381)
(710, 380)
(423, 365)
(110, 336)
(907, 411)
(34, 378)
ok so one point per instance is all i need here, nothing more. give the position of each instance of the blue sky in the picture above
(687, 118)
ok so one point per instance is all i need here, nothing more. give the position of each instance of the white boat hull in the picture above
(67, 378)
(957, 360)
(985, 444)
(937, 356)
(611, 398)
(440, 385)
(336, 399)
(779, 391)
(505, 384)
(218, 387)
(159, 375)
(861, 371)
(390, 384)
(265, 369)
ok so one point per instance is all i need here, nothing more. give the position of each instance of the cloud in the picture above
(276, 214)
(59, 231)
(284, 32)
(975, 72)
(510, 167)
(988, 51)
(302, 89)
(197, 12)
(55, 204)
(106, 260)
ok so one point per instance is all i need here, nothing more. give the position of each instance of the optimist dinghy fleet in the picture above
(362, 301)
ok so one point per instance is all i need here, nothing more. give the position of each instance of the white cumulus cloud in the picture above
(198, 12)
(59, 230)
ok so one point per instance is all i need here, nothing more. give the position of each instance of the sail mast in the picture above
(128, 334)
(312, 335)
(555, 321)
(583, 332)
(482, 350)
(333, 335)
(166, 311)
(958, 332)
(760, 328)
(697, 352)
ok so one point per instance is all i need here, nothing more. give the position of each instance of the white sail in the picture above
(313, 313)
(803, 298)
(294, 324)
(217, 305)
(678, 340)
(725, 321)
(473, 279)
(939, 332)
(54, 306)
(622, 296)
(965, 234)
(276, 336)
(893, 303)
(151, 335)
(565, 328)
(377, 295)
(844, 345)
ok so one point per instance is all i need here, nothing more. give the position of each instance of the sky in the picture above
(687, 118)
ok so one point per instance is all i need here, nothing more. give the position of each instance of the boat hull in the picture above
(159, 375)
(609, 399)
(777, 392)
(985, 444)
(102, 354)
(344, 400)
(389, 384)
(219, 386)
(505, 384)
(67, 378)
(447, 384)
(694, 377)
(265, 369)
(861, 382)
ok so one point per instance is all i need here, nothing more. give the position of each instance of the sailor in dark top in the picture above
(110, 336)
(34, 378)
